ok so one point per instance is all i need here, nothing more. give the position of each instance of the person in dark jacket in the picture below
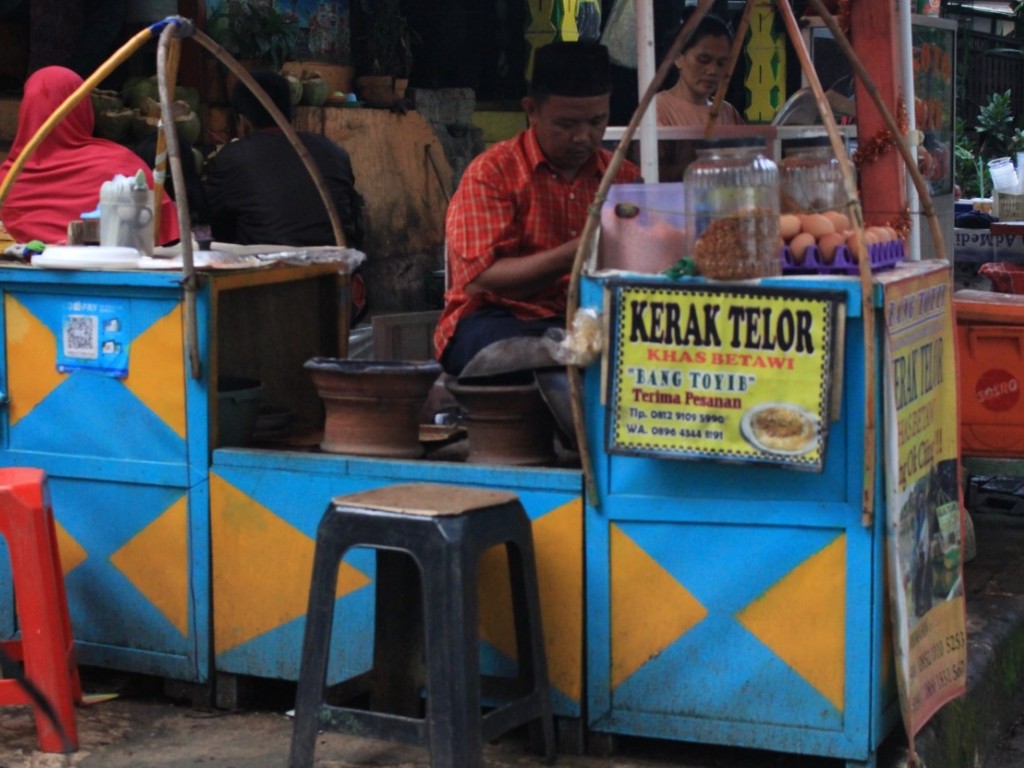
(259, 192)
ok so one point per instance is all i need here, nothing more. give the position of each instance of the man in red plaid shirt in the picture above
(514, 223)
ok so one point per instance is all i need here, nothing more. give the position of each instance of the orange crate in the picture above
(990, 336)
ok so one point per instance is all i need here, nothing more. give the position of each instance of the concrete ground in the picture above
(144, 728)
(151, 732)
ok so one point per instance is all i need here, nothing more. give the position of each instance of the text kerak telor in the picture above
(701, 325)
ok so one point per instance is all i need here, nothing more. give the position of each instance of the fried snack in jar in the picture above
(732, 210)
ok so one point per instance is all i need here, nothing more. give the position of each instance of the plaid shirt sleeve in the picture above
(510, 203)
(481, 225)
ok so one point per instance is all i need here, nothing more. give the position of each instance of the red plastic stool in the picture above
(45, 647)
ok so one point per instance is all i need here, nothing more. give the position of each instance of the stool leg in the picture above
(398, 635)
(453, 654)
(533, 668)
(316, 645)
(49, 661)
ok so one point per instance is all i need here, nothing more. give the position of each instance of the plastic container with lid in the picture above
(810, 180)
(990, 338)
(732, 210)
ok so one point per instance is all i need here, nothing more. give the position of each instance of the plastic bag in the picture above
(583, 345)
(619, 34)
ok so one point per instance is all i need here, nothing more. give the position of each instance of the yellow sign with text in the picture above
(728, 373)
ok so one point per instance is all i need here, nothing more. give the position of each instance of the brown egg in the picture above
(881, 234)
(893, 234)
(818, 225)
(839, 220)
(870, 238)
(828, 245)
(789, 226)
(798, 246)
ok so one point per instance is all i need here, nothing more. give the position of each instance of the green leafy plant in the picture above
(387, 38)
(995, 125)
(256, 30)
(968, 168)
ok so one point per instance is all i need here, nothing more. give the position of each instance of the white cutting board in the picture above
(87, 257)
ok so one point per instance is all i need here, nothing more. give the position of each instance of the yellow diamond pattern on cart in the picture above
(154, 378)
(556, 541)
(802, 619)
(799, 616)
(646, 621)
(72, 554)
(156, 562)
(32, 344)
(247, 538)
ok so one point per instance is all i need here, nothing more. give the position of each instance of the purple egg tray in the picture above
(882, 255)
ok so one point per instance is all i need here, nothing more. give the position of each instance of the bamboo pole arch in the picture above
(171, 29)
(854, 207)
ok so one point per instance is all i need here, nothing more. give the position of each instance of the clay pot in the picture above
(379, 90)
(372, 406)
(506, 424)
(338, 76)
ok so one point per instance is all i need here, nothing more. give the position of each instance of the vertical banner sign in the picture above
(924, 516)
(737, 373)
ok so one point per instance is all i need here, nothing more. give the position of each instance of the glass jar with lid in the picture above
(810, 180)
(732, 210)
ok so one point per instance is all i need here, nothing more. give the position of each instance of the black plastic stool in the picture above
(445, 529)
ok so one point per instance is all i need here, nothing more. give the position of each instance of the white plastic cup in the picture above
(1004, 175)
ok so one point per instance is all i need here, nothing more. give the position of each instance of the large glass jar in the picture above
(810, 180)
(732, 210)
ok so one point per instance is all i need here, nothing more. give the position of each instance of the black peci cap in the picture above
(571, 69)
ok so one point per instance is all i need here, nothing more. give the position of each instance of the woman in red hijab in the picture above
(62, 178)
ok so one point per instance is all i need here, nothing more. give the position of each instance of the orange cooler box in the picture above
(990, 334)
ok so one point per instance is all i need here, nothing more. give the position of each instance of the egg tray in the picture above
(882, 256)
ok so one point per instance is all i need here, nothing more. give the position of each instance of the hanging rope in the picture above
(590, 229)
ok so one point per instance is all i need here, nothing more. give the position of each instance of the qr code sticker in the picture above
(81, 336)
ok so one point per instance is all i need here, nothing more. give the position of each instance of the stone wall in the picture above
(406, 166)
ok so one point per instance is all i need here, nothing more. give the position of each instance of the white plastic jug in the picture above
(126, 213)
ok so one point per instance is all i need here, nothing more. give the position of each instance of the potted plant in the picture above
(997, 133)
(255, 32)
(385, 45)
(327, 48)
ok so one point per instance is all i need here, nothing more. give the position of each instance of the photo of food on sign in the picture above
(780, 428)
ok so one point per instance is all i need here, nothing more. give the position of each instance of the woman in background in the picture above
(702, 67)
(62, 178)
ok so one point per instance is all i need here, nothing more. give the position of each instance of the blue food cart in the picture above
(701, 596)
(735, 592)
